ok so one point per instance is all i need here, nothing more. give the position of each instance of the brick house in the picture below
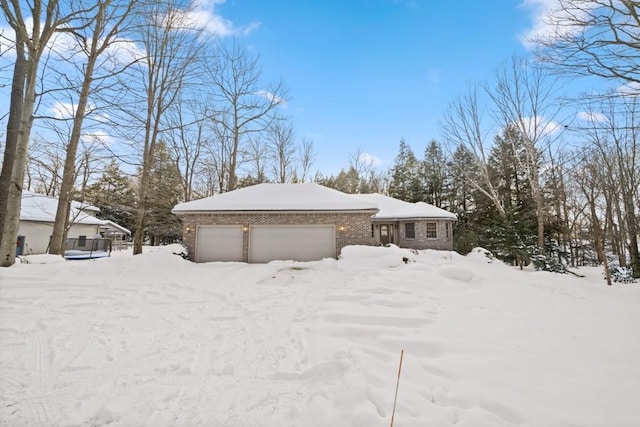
(410, 225)
(302, 222)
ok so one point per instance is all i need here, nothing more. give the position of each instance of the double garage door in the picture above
(266, 243)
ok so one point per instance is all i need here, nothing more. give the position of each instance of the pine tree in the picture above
(512, 236)
(462, 194)
(405, 176)
(462, 200)
(434, 174)
(164, 193)
(113, 193)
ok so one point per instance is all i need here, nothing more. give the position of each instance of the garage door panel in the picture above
(291, 242)
(219, 243)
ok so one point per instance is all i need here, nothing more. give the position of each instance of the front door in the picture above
(386, 234)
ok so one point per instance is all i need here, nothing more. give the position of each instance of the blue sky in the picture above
(365, 73)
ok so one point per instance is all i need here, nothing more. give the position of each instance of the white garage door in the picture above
(291, 242)
(219, 243)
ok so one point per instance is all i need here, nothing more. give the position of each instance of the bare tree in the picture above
(463, 125)
(46, 160)
(282, 150)
(171, 46)
(106, 24)
(245, 106)
(187, 137)
(307, 156)
(594, 37)
(588, 179)
(31, 41)
(257, 156)
(615, 135)
(218, 156)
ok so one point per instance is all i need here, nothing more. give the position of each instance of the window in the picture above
(410, 230)
(448, 230)
(432, 230)
(372, 233)
(82, 240)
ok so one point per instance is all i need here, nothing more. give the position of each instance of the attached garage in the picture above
(219, 243)
(266, 222)
(291, 242)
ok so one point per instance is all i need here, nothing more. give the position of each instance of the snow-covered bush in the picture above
(618, 273)
(183, 251)
(550, 258)
(622, 275)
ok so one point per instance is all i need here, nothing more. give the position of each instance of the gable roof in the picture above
(41, 208)
(38, 207)
(390, 208)
(278, 197)
(110, 227)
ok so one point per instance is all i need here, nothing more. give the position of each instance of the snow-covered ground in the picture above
(155, 340)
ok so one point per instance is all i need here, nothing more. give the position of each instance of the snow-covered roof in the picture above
(278, 197)
(390, 208)
(111, 227)
(38, 207)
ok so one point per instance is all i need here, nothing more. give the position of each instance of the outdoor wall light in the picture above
(245, 228)
(188, 229)
(341, 229)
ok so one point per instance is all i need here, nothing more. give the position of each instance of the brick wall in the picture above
(421, 241)
(351, 228)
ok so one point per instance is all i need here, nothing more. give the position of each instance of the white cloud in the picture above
(124, 51)
(66, 111)
(370, 159)
(203, 15)
(549, 21)
(63, 110)
(58, 43)
(271, 97)
(591, 116)
(538, 127)
(631, 89)
(97, 137)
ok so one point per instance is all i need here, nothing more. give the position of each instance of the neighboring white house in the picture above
(37, 215)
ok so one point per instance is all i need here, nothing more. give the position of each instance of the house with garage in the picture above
(266, 222)
(38, 213)
(304, 222)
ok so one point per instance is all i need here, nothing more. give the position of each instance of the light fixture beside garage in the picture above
(245, 228)
(188, 229)
(341, 229)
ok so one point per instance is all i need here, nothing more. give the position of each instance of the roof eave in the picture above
(263, 211)
(414, 218)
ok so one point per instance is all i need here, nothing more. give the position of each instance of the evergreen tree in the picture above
(114, 194)
(434, 174)
(512, 236)
(462, 194)
(462, 200)
(347, 181)
(164, 193)
(405, 176)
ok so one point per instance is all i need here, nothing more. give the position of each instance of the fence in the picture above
(82, 247)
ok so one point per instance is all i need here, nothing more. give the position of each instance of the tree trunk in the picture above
(57, 237)
(599, 240)
(14, 200)
(13, 127)
(632, 229)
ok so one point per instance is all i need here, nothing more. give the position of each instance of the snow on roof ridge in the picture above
(390, 208)
(307, 196)
(41, 207)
